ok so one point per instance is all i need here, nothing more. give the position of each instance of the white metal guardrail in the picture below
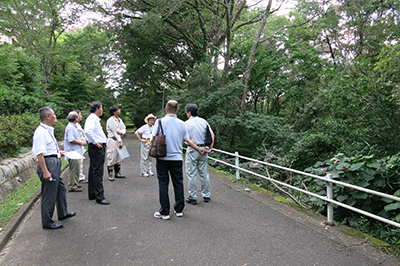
(328, 179)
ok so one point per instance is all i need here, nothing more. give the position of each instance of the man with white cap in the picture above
(146, 131)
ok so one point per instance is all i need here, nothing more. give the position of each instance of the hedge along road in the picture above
(235, 228)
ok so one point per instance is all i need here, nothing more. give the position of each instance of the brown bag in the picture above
(158, 147)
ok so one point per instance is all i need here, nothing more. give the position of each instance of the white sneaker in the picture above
(160, 216)
(178, 214)
(151, 173)
(144, 174)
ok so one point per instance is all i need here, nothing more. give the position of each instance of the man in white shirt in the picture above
(97, 149)
(146, 131)
(195, 161)
(53, 190)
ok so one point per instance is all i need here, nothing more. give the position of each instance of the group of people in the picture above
(101, 148)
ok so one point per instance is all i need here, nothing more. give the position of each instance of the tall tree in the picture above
(37, 26)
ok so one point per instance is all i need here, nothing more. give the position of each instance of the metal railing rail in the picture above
(328, 179)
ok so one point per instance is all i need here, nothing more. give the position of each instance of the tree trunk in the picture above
(252, 54)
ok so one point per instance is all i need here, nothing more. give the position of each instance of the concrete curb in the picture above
(13, 224)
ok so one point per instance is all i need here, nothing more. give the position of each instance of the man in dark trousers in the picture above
(97, 149)
(171, 165)
(49, 170)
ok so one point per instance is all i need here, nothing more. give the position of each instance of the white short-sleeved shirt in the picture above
(146, 131)
(44, 141)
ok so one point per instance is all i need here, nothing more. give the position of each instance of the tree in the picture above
(37, 26)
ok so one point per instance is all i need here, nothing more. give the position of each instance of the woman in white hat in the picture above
(146, 131)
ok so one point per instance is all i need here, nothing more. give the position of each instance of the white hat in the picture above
(149, 116)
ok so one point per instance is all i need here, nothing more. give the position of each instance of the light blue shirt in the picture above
(196, 129)
(71, 134)
(175, 133)
(93, 130)
(44, 141)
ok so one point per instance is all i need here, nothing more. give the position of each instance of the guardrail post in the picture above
(329, 194)
(237, 165)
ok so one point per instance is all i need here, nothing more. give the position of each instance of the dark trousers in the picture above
(96, 170)
(174, 169)
(53, 192)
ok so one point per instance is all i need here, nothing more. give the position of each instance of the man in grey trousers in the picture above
(49, 170)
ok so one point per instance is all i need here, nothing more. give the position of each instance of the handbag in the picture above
(158, 147)
(208, 139)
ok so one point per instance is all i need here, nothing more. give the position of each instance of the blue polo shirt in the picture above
(175, 133)
(71, 134)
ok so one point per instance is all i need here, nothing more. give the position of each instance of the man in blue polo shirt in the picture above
(72, 142)
(175, 132)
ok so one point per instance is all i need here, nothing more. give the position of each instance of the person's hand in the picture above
(98, 145)
(83, 143)
(207, 150)
(120, 145)
(119, 132)
(62, 153)
(201, 150)
(47, 176)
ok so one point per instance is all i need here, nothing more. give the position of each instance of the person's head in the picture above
(172, 107)
(97, 108)
(73, 116)
(47, 115)
(114, 110)
(79, 115)
(192, 108)
(150, 119)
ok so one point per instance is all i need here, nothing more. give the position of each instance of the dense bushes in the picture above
(17, 131)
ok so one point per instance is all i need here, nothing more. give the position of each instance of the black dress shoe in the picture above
(206, 199)
(53, 226)
(191, 201)
(70, 214)
(103, 202)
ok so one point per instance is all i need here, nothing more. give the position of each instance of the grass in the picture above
(11, 204)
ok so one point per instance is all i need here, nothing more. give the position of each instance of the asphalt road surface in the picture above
(235, 228)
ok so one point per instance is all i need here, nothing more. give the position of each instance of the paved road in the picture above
(235, 228)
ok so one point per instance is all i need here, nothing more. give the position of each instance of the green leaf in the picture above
(379, 182)
(350, 201)
(355, 167)
(375, 165)
(362, 184)
(397, 218)
(387, 200)
(397, 193)
(359, 195)
(342, 198)
(341, 165)
(366, 176)
(392, 207)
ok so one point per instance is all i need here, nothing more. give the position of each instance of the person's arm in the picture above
(137, 134)
(194, 146)
(212, 144)
(42, 165)
(83, 143)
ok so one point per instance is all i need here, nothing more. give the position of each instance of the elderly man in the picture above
(82, 178)
(97, 151)
(171, 165)
(72, 142)
(195, 160)
(49, 170)
(146, 131)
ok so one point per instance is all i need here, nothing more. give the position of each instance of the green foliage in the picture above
(367, 172)
(17, 131)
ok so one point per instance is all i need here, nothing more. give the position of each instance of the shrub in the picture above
(17, 131)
